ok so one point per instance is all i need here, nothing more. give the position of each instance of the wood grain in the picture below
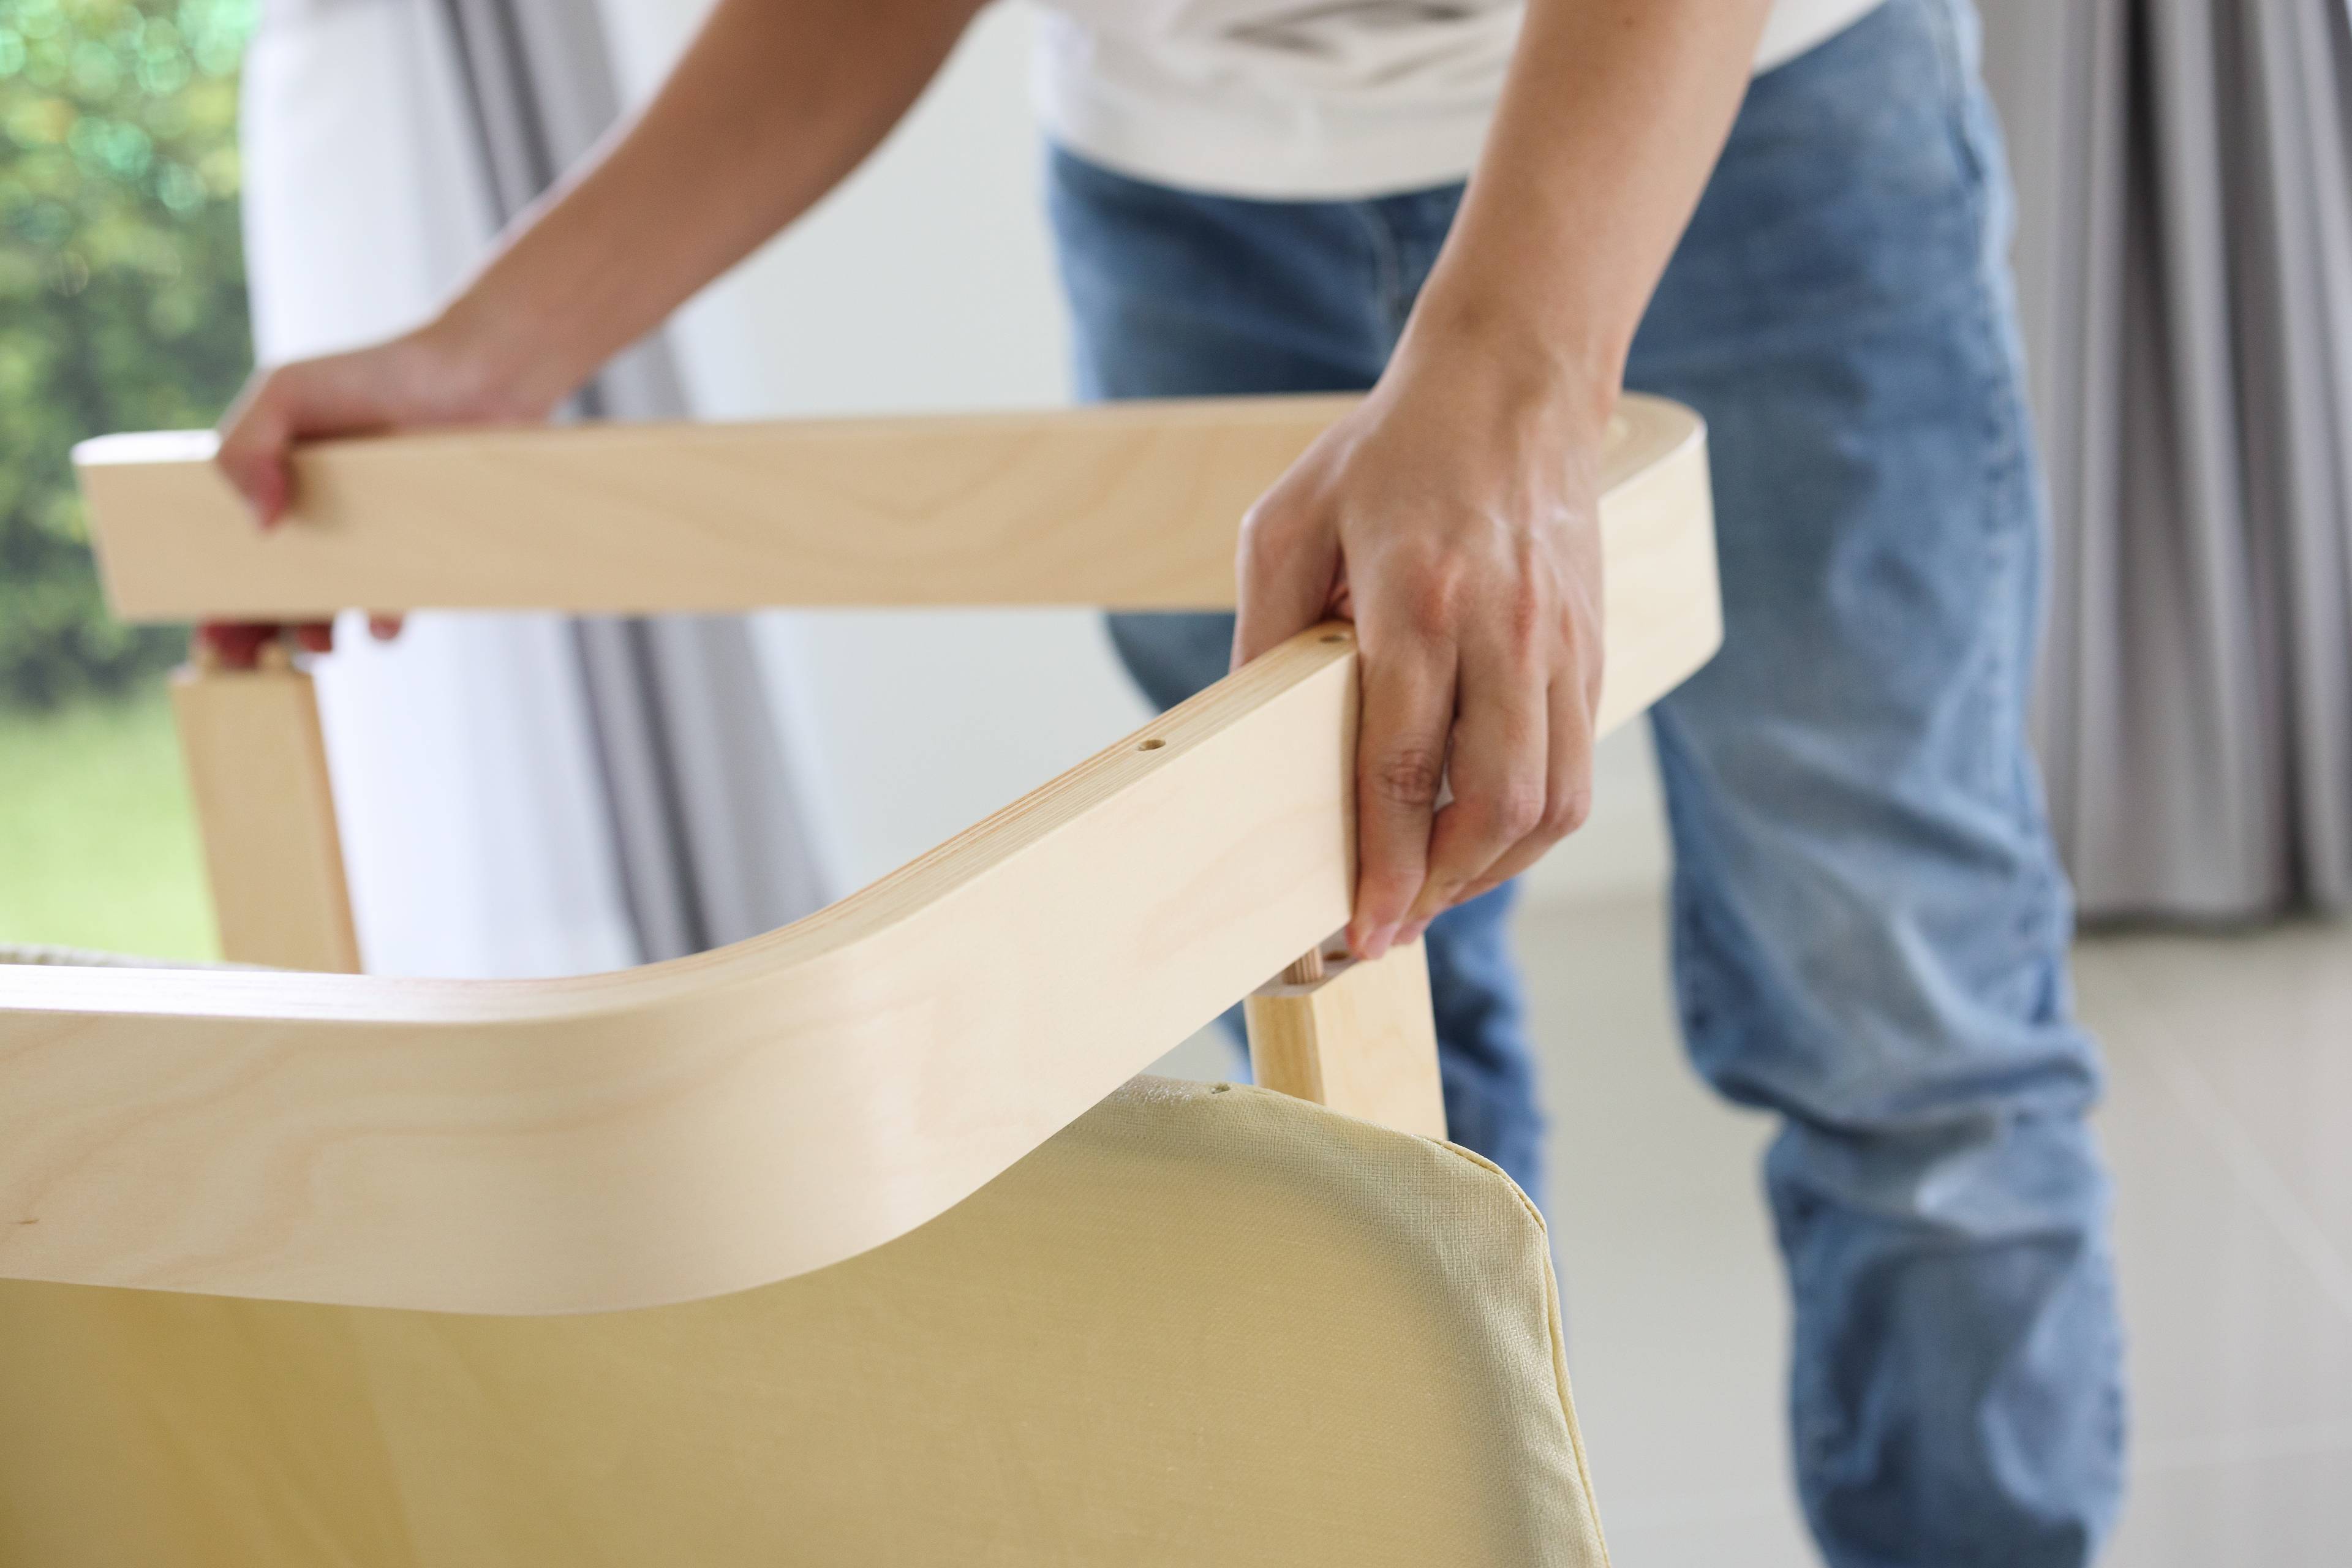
(257, 769)
(707, 1125)
(690, 1127)
(1130, 505)
(1360, 1039)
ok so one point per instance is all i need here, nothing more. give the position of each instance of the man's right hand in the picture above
(433, 376)
(770, 107)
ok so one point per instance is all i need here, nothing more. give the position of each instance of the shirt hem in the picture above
(1249, 147)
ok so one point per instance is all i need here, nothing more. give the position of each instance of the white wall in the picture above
(925, 283)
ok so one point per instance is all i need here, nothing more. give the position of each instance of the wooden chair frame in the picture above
(717, 1122)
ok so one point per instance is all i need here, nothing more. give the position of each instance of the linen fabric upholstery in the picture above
(1202, 1325)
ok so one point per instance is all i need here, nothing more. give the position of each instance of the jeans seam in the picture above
(2008, 487)
(1388, 271)
(1952, 60)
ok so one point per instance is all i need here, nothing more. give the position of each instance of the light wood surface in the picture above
(257, 769)
(1130, 505)
(690, 1127)
(707, 1125)
(1360, 1039)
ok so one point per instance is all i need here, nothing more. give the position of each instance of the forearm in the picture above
(773, 104)
(1612, 118)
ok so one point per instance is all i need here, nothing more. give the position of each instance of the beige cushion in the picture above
(1200, 1326)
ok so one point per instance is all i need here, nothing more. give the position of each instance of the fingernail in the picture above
(1376, 941)
(1411, 933)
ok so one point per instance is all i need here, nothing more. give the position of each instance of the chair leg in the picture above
(1359, 1037)
(256, 767)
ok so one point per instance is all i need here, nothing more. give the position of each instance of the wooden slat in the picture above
(257, 769)
(1132, 505)
(1360, 1039)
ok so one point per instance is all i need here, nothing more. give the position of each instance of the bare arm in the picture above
(1454, 515)
(773, 104)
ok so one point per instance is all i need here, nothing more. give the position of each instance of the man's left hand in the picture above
(1453, 517)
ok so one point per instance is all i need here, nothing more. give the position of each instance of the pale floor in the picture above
(2229, 1123)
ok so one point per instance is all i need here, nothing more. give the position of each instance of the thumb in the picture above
(1288, 573)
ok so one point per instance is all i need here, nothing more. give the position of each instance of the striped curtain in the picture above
(2185, 266)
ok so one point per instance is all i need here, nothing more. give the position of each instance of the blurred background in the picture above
(183, 180)
(121, 305)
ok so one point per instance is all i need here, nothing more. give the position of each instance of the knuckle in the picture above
(1434, 603)
(278, 386)
(1524, 612)
(1517, 810)
(1408, 778)
(1567, 812)
(1268, 531)
(1510, 594)
(1254, 541)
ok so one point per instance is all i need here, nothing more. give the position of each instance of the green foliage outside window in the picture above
(122, 294)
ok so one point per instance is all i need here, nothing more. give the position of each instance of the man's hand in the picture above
(1451, 516)
(770, 107)
(431, 376)
(1454, 514)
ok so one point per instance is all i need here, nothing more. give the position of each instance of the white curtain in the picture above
(473, 825)
(476, 771)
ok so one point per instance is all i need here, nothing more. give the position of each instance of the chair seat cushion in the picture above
(1202, 1325)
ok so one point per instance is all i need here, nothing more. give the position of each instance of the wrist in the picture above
(510, 361)
(1513, 377)
(1513, 366)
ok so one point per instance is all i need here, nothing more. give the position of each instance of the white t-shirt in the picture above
(1303, 99)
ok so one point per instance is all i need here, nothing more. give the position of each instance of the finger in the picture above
(1408, 710)
(236, 644)
(257, 435)
(1286, 571)
(1496, 766)
(1567, 785)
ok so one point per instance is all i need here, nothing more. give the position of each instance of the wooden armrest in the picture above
(1122, 506)
(722, 1121)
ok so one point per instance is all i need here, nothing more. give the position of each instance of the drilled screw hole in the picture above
(1151, 745)
(1334, 636)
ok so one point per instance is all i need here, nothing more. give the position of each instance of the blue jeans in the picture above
(1870, 925)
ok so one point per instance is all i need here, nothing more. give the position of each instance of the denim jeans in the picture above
(1869, 924)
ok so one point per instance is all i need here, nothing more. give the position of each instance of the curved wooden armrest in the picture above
(723, 1121)
(1120, 506)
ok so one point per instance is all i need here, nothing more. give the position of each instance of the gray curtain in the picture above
(2185, 272)
(709, 846)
